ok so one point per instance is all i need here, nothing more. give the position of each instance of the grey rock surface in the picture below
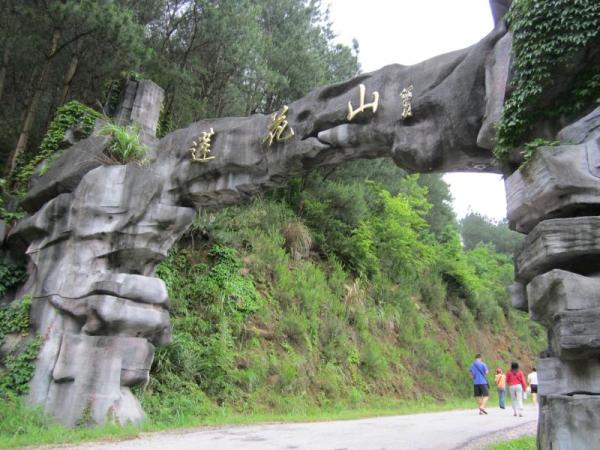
(499, 9)
(571, 244)
(557, 291)
(557, 182)
(140, 106)
(557, 377)
(66, 172)
(518, 296)
(569, 422)
(98, 231)
(585, 129)
(97, 364)
(576, 334)
(497, 77)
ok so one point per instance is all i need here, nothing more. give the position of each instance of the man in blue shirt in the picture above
(480, 384)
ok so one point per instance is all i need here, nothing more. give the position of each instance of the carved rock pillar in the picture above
(555, 198)
(94, 237)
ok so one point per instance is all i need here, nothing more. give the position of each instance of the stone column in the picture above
(555, 199)
(94, 237)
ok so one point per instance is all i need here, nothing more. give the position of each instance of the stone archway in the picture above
(96, 232)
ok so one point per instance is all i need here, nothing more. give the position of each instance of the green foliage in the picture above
(14, 318)
(11, 275)
(17, 366)
(547, 36)
(523, 443)
(210, 304)
(125, 146)
(532, 147)
(68, 115)
(18, 369)
(384, 310)
(476, 229)
(8, 215)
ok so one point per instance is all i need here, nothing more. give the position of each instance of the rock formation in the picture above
(555, 197)
(96, 230)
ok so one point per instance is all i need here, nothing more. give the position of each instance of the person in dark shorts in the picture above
(480, 384)
(532, 379)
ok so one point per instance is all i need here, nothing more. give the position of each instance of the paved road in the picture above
(451, 430)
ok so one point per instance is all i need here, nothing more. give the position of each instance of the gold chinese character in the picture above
(373, 105)
(203, 147)
(277, 128)
(406, 95)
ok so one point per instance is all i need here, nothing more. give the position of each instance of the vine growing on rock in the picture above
(14, 318)
(11, 275)
(18, 365)
(18, 369)
(67, 116)
(548, 35)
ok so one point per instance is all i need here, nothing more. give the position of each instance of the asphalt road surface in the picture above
(452, 430)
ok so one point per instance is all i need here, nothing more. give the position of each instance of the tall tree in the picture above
(69, 26)
(476, 228)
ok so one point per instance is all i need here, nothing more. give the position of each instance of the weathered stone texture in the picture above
(497, 72)
(576, 334)
(569, 422)
(66, 172)
(556, 377)
(557, 182)
(104, 365)
(140, 106)
(558, 291)
(518, 296)
(572, 243)
(499, 9)
(584, 130)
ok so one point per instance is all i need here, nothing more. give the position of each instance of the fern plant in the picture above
(125, 146)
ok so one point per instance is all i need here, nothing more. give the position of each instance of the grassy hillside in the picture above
(341, 292)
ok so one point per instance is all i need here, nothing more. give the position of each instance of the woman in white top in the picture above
(533, 385)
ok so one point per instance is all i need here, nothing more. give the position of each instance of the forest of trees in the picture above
(212, 57)
(347, 288)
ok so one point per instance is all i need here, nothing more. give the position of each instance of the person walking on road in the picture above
(480, 384)
(532, 380)
(501, 386)
(515, 379)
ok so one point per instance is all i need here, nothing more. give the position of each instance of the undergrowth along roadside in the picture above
(21, 426)
(524, 443)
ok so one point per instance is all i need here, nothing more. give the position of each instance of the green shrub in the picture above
(18, 369)
(524, 443)
(11, 275)
(174, 399)
(14, 318)
(372, 360)
(125, 146)
(297, 239)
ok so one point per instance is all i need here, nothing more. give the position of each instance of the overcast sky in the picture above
(407, 32)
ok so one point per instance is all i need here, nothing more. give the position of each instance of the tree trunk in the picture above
(5, 57)
(33, 106)
(69, 75)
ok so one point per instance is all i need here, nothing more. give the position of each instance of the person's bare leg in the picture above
(483, 402)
